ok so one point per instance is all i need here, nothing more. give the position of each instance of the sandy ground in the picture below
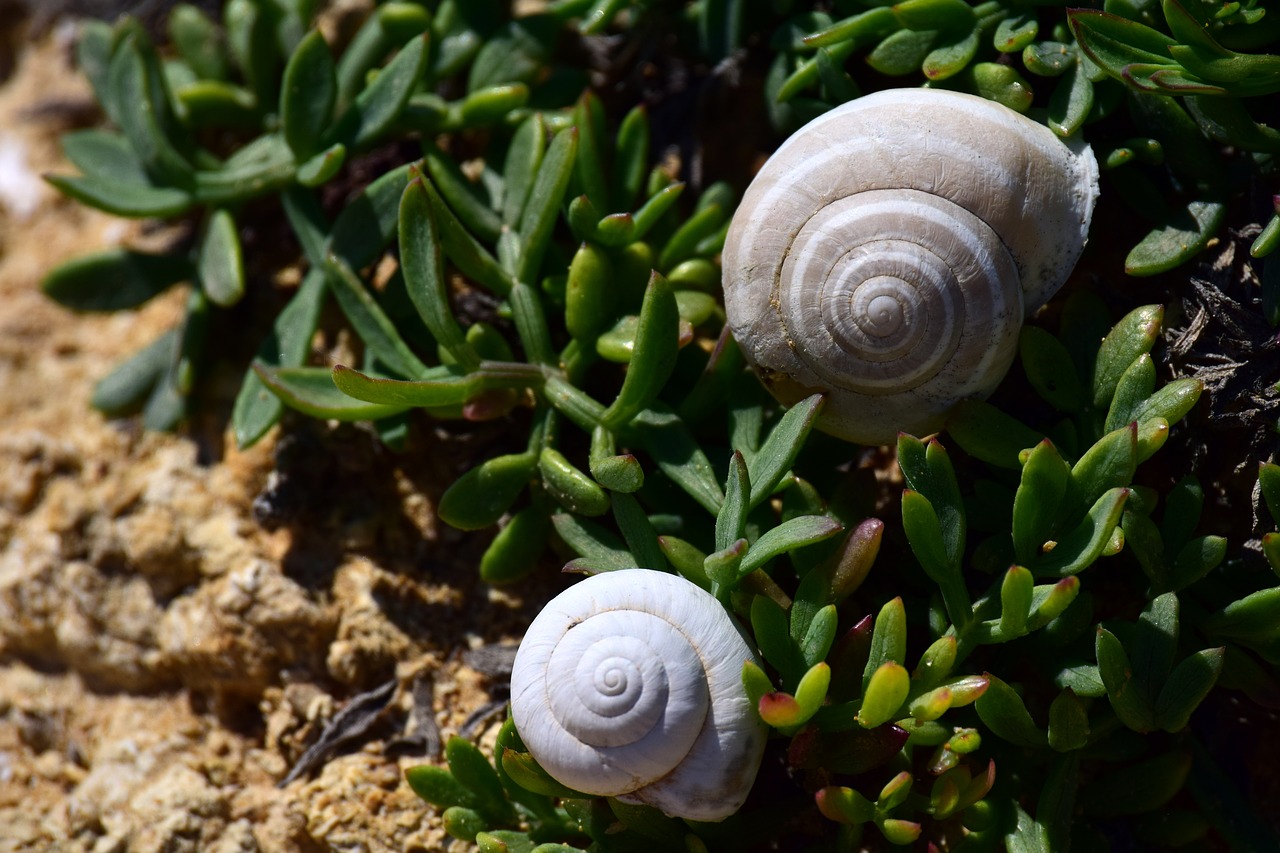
(165, 659)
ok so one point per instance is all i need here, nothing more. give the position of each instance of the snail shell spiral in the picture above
(629, 684)
(888, 252)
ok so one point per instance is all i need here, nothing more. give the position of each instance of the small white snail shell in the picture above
(888, 252)
(629, 684)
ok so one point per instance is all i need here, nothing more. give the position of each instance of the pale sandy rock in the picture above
(184, 657)
(239, 630)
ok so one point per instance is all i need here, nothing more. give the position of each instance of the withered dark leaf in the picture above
(355, 719)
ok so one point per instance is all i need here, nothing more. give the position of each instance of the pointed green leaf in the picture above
(131, 200)
(1110, 463)
(1137, 788)
(638, 531)
(1038, 503)
(113, 280)
(462, 194)
(378, 106)
(469, 766)
(1131, 706)
(424, 275)
(787, 536)
(888, 639)
(780, 449)
(886, 690)
(543, 207)
(438, 786)
(257, 409)
(1015, 602)
(310, 390)
(1136, 384)
(1049, 369)
(1081, 547)
(1186, 687)
(220, 266)
(988, 434)
(307, 95)
(654, 356)
(599, 547)
(480, 497)
(571, 488)
(731, 521)
(370, 322)
(1134, 335)
(524, 157)
(1002, 710)
(124, 390)
(516, 549)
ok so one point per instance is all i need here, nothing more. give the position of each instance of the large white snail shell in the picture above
(629, 684)
(888, 252)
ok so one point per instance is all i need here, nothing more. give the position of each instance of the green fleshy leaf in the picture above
(438, 786)
(1110, 463)
(1068, 723)
(420, 259)
(307, 95)
(480, 497)
(104, 156)
(779, 451)
(1137, 788)
(311, 391)
(113, 280)
(472, 211)
(886, 691)
(1129, 339)
(598, 546)
(524, 157)
(927, 470)
(639, 533)
(220, 266)
(1081, 547)
(256, 409)
(1072, 101)
(654, 356)
(543, 206)
(368, 223)
(516, 549)
(1049, 369)
(888, 639)
(124, 390)
(1002, 711)
(469, 766)
(731, 521)
(1181, 238)
(571, 488)
(1254, 617)
(988, 434)
(1186, 687)
(438, 386)
(769, 626)
(787, 536)
(1038, 503)
(1015, 602)
(1131, 706)
(139, 93)
(135, 201)
(371, 322)
(376, 108)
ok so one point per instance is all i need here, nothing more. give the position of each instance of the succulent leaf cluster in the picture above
(1009, 650)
